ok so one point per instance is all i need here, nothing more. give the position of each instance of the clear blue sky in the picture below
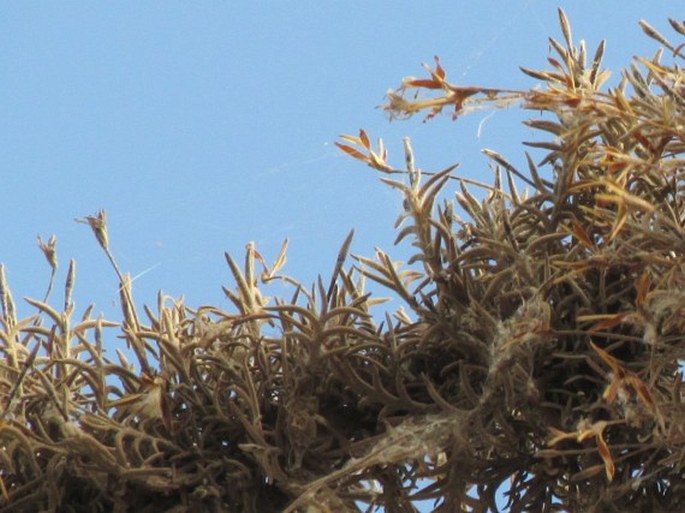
(200, 126)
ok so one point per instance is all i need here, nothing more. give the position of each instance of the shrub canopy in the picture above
(538, 349)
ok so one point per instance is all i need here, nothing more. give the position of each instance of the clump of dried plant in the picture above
(538, 350)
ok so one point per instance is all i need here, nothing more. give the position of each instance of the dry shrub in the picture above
(538, 350)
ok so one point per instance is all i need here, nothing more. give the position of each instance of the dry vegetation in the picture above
(538, 349)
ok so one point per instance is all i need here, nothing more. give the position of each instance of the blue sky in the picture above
(200, 126)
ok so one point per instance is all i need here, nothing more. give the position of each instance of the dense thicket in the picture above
(538, 349)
